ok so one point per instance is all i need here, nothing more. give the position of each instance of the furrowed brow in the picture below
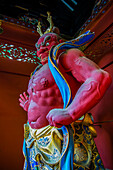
(47, 38)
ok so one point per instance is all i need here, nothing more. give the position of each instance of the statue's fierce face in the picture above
(44, 44)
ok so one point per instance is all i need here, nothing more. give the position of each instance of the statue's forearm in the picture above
(89, 94)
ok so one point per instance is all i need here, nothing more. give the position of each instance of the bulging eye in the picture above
(47, 43)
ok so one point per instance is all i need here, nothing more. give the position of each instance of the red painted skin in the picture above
(87, 81)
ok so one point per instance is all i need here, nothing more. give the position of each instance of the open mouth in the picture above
(43, 53)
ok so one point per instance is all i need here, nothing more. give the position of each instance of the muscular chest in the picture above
(41, 80)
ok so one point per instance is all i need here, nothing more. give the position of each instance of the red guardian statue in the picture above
(60, 94)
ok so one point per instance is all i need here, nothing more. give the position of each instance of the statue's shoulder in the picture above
(67, 59)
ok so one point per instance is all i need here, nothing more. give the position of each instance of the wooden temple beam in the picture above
(18, 34)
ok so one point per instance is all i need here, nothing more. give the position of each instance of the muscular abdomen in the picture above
(43, 90)
(44, 95)
(48, 97)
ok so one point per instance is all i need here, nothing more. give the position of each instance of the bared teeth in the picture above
(43, 53)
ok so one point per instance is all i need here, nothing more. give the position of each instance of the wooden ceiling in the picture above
(68, 15)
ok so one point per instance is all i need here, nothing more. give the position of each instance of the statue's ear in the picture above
(56, 30)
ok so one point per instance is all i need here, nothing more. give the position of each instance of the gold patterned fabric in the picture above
(46, 147)
(86, 155)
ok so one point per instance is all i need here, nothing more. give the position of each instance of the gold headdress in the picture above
(49, 19)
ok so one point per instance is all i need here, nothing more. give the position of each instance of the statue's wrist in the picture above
(71, 113)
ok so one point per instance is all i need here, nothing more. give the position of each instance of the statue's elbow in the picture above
(107, 79)
(103, 80)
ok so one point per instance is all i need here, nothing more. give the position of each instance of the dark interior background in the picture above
(68, 15)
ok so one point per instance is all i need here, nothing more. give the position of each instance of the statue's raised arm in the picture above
(94, 83)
